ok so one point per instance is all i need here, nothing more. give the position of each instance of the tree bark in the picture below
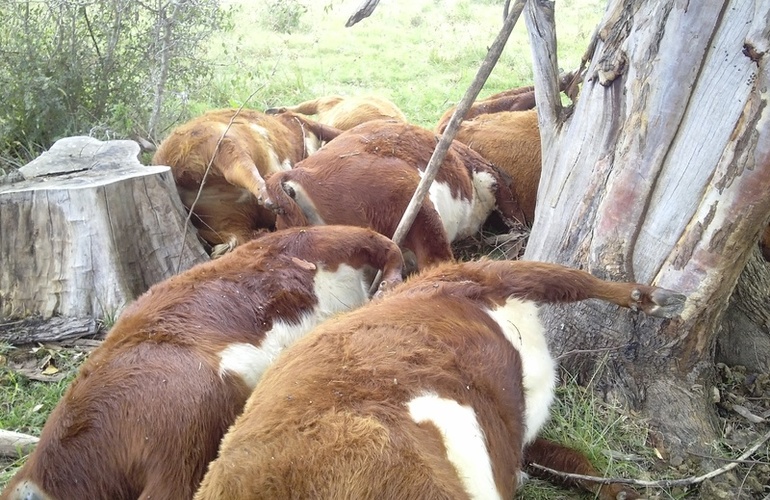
(659, 175)
(35, 329)
(745, 336)
(88, 230)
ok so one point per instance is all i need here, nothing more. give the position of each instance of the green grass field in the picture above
(422, 54)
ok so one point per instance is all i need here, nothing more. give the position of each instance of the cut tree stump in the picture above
(86, 228)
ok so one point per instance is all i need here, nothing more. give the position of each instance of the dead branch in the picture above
(364, 10)
(437, 158)
(15, 444)
(661, 483)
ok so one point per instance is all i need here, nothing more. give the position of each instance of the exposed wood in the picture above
(35, 329)
(15, 444)
(660, 175)
(88, 230)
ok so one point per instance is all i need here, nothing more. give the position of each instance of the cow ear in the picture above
(303, 264)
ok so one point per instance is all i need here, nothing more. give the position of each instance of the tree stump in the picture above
(86, 228)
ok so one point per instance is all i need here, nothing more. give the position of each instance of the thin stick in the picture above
(437, 158)
(662, 483)
(206, 173)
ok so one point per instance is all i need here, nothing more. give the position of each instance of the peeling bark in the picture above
(660, 175)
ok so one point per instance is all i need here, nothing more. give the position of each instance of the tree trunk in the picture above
(88, 230)
(659, 175)
(745, 336)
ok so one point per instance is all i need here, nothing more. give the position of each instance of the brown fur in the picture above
(328, 419)
(148, 409)
(366, 177)
(345, 113)
(511, 141)
(245, 152)
(518, 99)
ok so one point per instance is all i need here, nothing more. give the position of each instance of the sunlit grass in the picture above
(421, 54)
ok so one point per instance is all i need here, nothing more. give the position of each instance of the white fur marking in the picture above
(484, 196)
(454, 212)
(260, 130)
(312, 143)
(521, 325)
(341, 290)
(464, 440)
(306, 204)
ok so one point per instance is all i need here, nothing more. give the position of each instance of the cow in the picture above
(147, 410)
(518, 99)
(367, 176)
(511, 141)
(438, 390)
(515, 99)
(235, 150)
(345, 113)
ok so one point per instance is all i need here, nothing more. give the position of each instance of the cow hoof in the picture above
(660, 302)
(668, 304)
(221, 249)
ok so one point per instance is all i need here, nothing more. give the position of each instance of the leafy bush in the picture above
(283, 16)
(107, 68)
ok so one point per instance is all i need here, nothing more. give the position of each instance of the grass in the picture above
(421, 54)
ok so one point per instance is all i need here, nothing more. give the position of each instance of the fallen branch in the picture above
(16, 444)
(35, 329)
(661, 483)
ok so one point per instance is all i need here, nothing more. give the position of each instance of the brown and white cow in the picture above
(243, 147)
(149, 407)
(511, 141)
(367, 176)
(436, 391)
(345, 113)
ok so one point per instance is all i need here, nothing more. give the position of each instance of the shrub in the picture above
(101, 68)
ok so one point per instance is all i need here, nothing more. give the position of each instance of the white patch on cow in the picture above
(337, 291)
(454, 212)
(260, 130)
(286, 164)
(312, 144)
(305, 204)
(342, 290)
(484, 197)
(464, 440)
(521, 325)
(275, 163)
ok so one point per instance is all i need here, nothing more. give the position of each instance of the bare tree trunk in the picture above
(745, 336)
(660, 175)
(165, 24)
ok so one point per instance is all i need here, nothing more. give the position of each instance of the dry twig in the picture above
(661, 483)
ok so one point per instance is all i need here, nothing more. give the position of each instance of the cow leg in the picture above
(563, 459)
(546, 282)
(428, 239)
(239, 169)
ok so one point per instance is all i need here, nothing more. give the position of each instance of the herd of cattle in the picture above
(273, 372)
